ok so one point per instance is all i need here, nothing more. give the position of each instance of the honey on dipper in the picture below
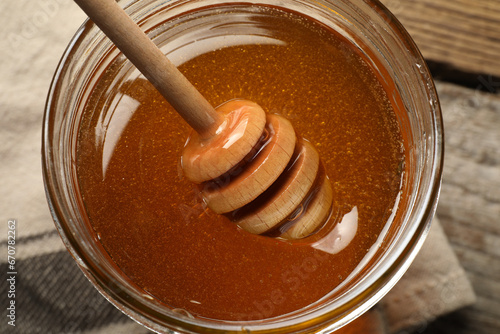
(155, 222)
(257, 170)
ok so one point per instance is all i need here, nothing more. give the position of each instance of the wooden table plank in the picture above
(461, 33)
(474, 238)
(469, 206)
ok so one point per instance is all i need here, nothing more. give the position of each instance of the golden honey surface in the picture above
(152, 221)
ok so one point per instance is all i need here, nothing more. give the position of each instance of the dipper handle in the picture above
(250, 164)
(153, 64)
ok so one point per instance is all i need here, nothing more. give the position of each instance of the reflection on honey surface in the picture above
(341, 235)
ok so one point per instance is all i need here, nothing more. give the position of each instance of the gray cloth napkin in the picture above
(52, 296)
(434, 285)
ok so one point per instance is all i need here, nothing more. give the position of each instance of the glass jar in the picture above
(369, 27)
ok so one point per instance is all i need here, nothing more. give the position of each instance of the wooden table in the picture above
(461, 41)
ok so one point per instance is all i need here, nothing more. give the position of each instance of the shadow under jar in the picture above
(351, 81)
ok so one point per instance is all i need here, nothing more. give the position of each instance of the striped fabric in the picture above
(53, 295)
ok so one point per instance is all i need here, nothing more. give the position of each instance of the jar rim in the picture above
(150, 313)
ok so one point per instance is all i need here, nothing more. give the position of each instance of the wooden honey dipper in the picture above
(250, 164)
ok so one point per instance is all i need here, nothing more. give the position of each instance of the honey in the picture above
(153, 222)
